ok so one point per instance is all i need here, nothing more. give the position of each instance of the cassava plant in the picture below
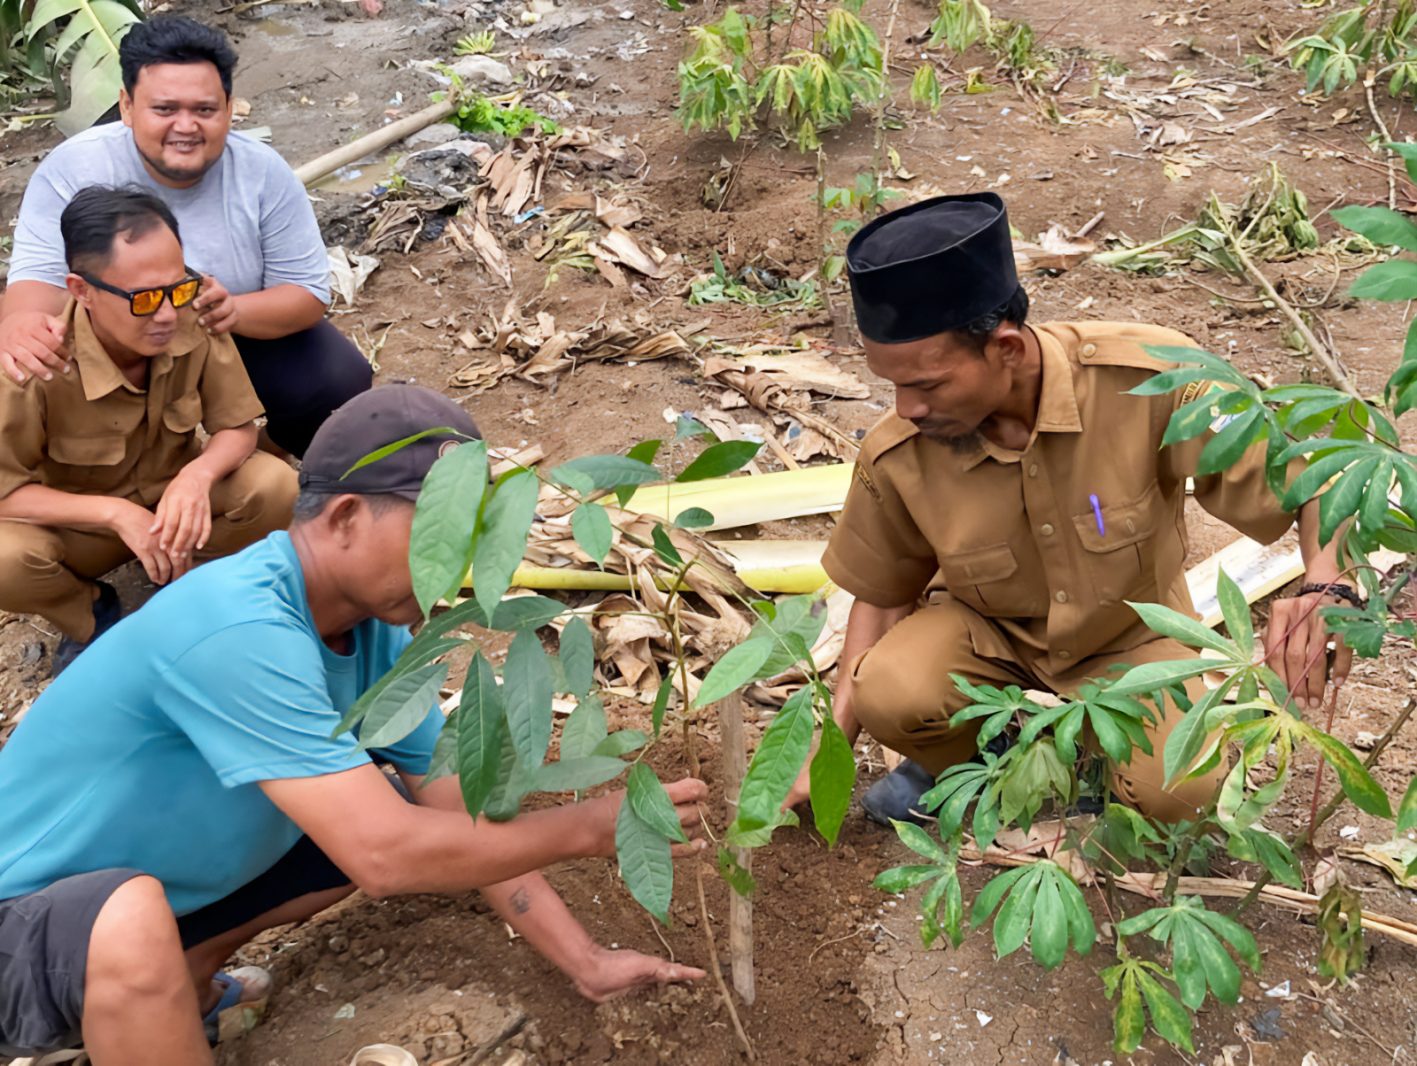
(496, 740)
(1179, 951)
(1372, 37)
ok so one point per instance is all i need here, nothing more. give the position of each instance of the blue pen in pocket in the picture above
(1097, 514)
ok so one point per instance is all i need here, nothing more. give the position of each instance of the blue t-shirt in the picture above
(248, 222)
(146, 752)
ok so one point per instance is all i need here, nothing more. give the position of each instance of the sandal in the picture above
(247, 985)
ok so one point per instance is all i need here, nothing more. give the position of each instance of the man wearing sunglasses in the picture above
(249, 226)
(103, 464)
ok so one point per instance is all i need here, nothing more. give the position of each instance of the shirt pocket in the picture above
(87, 463)
(1121, 556)
(986, 579)
(183, 414)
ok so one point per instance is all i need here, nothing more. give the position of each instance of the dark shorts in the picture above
(301, 378)
(44, 940)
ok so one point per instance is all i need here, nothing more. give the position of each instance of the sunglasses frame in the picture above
(132, 295)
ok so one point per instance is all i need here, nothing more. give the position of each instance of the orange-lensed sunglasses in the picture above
(145, 302)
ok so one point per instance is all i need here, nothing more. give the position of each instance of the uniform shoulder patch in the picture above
(1122, 343)
(867, 482)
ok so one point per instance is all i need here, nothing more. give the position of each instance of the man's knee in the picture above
(27, 554)
(134, 949)
(259, 495)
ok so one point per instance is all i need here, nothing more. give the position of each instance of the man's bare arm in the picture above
(389, 846)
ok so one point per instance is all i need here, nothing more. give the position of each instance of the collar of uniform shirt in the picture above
(98, 373)
(1057, 402)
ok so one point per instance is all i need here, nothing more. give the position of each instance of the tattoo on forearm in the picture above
(521, 902)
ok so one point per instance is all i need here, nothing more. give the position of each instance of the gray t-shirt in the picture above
(248, 221)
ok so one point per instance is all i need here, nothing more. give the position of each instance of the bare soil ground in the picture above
(841, 975)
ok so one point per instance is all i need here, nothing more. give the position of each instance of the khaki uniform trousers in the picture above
(49, 571)
(903, 696)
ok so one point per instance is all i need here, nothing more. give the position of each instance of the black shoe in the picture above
(106, 613)
(897, 795)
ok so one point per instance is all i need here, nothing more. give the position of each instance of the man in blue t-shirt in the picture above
(246, 221)
(183, 785)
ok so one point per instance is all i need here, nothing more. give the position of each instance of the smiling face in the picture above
(180, 116)
(149, 261)
(945, 385)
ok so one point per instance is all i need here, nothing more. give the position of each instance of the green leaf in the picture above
(900, 879)
(720, 459)
(584, 729)
(919, 841)
(595, 473)
(520, 612)
(991, 894)
(1187, 740)
(776, 763)
(1236, 611)
(736, 668)
(832, 778)
(664, 547)
(526, 695)
(621, 742)
(661, 703)
(1187, 630)
(645, 451)
(645, 793)
(573, 775)
(590, 525)
(481, 734)
(399, 445)
(1168, 1017)
(1358, 785)
(1227, 446)
(646, 865)
(1049, 937)
(513, 782)
(402, 706)
(444, 520)
(1381, 225)
(693, 518)
(1407, 810)
(501, 539)
(755, 835)
(739, 879)
(1128, 1020)
(578, 657)
(1015, 918)
(793, 628)
(1395, 279)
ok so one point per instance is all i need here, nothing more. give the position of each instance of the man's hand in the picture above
(134, 526)
(801, 789)
(215, 307)
(1296, 648)
(686, 794)
(31, 344)
(183, 520)
(613, 973)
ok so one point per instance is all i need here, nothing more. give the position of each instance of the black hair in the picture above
(311, 502)
(174, 39)
(1015, 309)
(95, 217)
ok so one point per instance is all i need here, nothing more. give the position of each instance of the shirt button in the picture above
(1065, 655)
(1061, 596)
(1033, 470)
(1088, 350)
(1046, 529)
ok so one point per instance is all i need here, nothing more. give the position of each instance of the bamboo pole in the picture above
(740, 908)
(379, 139)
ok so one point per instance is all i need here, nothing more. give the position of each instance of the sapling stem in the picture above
(740, 908)
(718, 973)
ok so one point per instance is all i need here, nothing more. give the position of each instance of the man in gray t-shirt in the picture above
(246, 221)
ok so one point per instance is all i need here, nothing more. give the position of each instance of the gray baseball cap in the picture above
(379, 417)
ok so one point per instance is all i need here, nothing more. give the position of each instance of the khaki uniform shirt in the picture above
(91, 431)
(1013, 535)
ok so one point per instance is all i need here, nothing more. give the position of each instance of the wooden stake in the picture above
(740, 908)
(378, 140)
